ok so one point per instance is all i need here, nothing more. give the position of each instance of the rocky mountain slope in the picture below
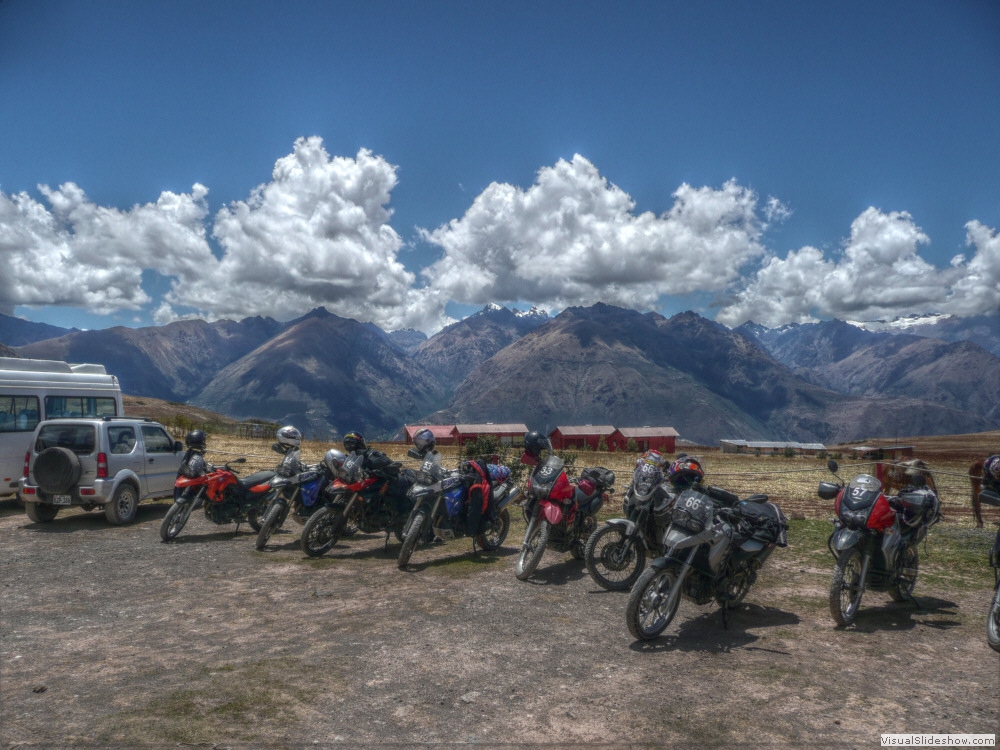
(327, 375)
(600, 364)
(452, 353)
(172, 362)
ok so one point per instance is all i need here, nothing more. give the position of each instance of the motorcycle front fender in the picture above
(627, 526)
(845, 538)
(552, 511)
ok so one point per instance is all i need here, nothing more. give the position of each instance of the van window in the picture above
(79, 438)
(156, 440)
(18, 413)
(121, 439)
(79, 406)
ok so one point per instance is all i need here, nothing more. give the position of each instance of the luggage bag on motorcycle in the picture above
(767, 520)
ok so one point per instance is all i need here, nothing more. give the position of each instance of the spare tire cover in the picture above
(57, 470)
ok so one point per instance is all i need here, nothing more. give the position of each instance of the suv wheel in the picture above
(40, 512)
(123, 505)
(56, 470)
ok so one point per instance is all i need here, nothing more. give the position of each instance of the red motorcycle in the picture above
(226, 497)
(874, 540)
(370, 501)
(558, 514)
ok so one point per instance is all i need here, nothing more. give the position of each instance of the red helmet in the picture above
(686, 471)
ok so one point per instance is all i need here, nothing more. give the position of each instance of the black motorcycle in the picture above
(989, 497)
(874, 539)
(615, 554)
(371, 501)
(294, 492)
(715, 546)
(441, 502)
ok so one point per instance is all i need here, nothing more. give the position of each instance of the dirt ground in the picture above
(111, 638)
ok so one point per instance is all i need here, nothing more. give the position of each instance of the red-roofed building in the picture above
(444, 434)
(580, 436)
(646, 438)
(508, 434)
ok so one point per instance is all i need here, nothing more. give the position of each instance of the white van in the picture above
(35, 389)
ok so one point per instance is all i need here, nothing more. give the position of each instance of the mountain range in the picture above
(830, 382)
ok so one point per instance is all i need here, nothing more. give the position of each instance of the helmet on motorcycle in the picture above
(686, 471)
(424, 441)
(354, 441)
(289, 438)
(334, 461)
(535, 442)
(195, 439)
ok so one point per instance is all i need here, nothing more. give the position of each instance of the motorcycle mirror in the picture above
(414, 453)
(832, 466)
(240, 460)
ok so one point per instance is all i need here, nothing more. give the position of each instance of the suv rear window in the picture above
(79, 438)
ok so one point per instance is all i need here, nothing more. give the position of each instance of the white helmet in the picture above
(289, 438)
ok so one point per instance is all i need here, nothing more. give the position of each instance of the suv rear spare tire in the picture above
(56, 470)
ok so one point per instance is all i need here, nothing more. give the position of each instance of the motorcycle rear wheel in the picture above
(272, 520)
(496, 532)
(532, 550)
(612, 561)
(845, 587)
(993, 622)
(646, 613)
(903, 590)
(322, 531)
(410, 540)
(174, 521)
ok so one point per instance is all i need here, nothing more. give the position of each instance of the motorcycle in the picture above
(559, 515)
(226, 497)
(615, 554)
(295, 492)
(989, 497)
(727, 542)
(372, 501)
(441, 501)
(874, 539)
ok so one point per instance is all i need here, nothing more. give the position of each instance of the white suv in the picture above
(112, 463)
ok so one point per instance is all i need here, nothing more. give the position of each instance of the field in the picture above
(110, 638)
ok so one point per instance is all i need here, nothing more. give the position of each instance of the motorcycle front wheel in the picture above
(909, 563)
(174, 521)
(993, 622)
(410, 540)
(532, 550)
(255, 516)
(845, 587)
(272, 520)
(322, 531)
(647, 614)
(612, 560)
(496, 533)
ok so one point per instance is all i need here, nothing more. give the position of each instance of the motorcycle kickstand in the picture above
(725, 615)
(387, 541)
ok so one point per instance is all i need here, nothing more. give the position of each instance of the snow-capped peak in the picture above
(900, 324)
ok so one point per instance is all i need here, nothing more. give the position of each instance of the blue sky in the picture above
(407, 162)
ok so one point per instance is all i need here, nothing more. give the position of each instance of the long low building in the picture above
(770, 447)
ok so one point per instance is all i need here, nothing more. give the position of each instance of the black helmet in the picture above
(354, 441)
(195, 439)
(424, 441)
(535, 442)
(685, 471)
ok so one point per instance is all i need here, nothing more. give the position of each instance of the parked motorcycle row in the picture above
(706, 544)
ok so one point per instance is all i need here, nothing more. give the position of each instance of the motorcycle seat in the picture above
(254, 479)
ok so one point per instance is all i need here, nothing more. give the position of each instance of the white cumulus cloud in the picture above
(572, 239)
(879, 275)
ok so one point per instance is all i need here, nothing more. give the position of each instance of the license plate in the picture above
(62, 499)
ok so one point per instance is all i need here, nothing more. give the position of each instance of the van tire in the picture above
(40, 512)
(123, 506)
(56, 470)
